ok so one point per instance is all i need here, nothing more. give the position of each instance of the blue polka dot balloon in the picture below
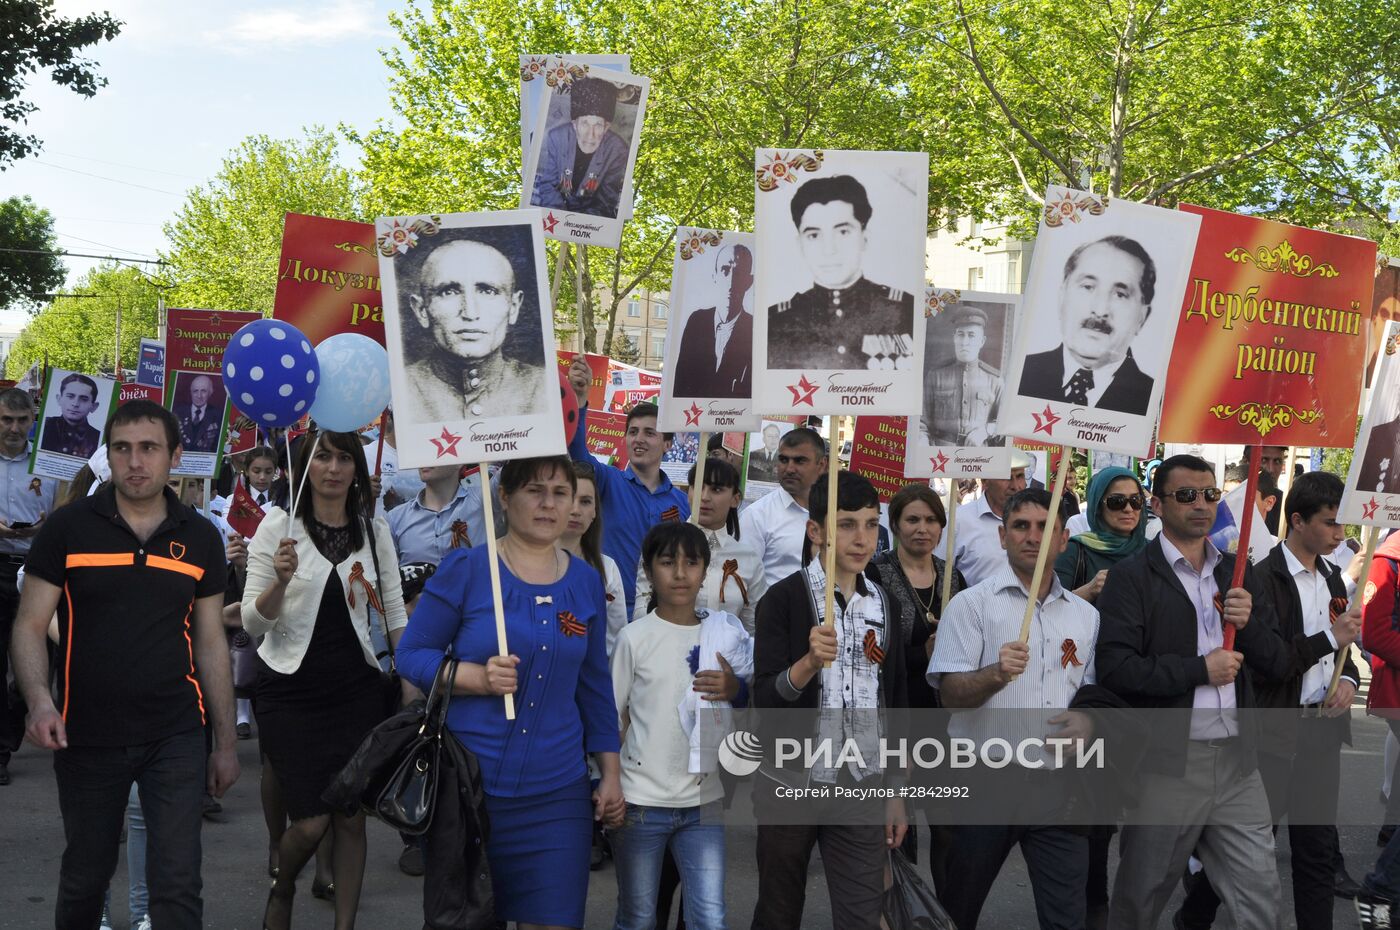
(271, 372)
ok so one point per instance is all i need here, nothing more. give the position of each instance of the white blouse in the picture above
(289, 633)
(734, 582)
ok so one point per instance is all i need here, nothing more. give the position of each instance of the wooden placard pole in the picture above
(561, 257)
(1256, 456)
(1044, 556)
(1373, 534)
(379, 450)
(698, 485)
(578, 292)
(1283, 486)
(488, 515)
(948, 563)
(833, 466)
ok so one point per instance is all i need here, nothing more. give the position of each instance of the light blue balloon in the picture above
(354, 382)
(271, 373)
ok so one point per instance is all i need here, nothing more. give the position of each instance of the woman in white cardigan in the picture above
(735, 580)
(311, 583)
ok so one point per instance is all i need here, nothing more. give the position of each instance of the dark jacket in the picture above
(1147, 655)
(782, 624)
(696, 375)
(1043, 376)
(1303, 652)
(886, 571)
(1380, 451)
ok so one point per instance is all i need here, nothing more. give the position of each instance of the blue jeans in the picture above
(94, 789)
(1384, 881)
(695, 836)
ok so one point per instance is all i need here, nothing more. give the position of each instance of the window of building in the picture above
(658, 347)
(974, 279)
(660, 310)
(976, 227)
(1013, 273)
(634, 309)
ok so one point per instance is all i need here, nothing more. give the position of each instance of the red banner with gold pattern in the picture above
(1272, 341)
(877, 454)
(328, 279)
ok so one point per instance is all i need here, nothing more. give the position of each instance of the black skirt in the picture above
(311, 721)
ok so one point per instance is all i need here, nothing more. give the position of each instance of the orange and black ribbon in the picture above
(357, 573)
(1336, 608)
(1219, 601)
(671, 515)
(873, 652)
(1069, 654)
(460, 538)
(731, 570)
(571, 625)
(37, 486)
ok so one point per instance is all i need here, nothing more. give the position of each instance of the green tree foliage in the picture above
(226, 238)
(25, 275)
(78, 329)
(34, 38)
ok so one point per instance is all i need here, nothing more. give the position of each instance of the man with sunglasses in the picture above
(1161, 646)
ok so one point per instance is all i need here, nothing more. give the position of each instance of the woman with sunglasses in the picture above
(1117, 529)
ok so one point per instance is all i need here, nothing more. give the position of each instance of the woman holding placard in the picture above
(1117, 529)
(555, 614)
(311, 582)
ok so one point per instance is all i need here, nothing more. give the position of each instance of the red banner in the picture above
(877, 453)
(126, 393)
(328, 279)
(598, 387)
(1272, 338)
(604, 433)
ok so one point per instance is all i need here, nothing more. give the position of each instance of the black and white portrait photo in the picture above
(841, 271)
(708, 370)
(198, 402)
(72, 418)
(540, 72)
(1098, 320)
(466, 322)
(582, 150)
(1375, 468)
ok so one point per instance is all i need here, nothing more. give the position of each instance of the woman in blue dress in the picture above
(537, 790)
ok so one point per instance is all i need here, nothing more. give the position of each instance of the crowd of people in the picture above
(636, 635)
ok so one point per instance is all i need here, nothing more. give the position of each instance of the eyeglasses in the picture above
(1120, 501)
(1188, 495)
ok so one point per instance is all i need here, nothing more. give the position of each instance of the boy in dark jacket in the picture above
(866, 676)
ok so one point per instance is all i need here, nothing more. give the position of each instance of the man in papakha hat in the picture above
(582, 162)
(961, 398)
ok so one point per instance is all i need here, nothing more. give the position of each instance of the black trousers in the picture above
(1302, 788)
(12, 709)
(93, 786)
(851, 836)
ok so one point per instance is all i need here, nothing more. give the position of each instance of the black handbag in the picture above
(393, 775)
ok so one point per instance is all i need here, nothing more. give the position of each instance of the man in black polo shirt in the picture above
(137, 579)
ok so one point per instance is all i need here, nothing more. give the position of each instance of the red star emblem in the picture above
(940, 462)
(446, 444)
(550, 222)
(1045, 421)
(803, 392)
(1368, 510)
(692, 416)
(215, 319)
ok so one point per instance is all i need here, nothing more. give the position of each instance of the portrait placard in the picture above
(840, 238)
(583, 151)
(538, 73)
(968, 337)
(194, 384)
(761, 469)
(470, 335)
(1273, 335)
(73, 415)
(1091, 354)
(1372, 494)
(709, 336)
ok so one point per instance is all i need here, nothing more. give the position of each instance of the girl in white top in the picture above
(735, 580)
(583, 536)
(672, 787)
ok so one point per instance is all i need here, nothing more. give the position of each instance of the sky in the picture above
(187, 81)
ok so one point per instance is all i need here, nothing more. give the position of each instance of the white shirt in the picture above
(977, 551)
(723, 330)
(1103, 377)
(1314, 598)
(986, 616)
(735, 590)
(617, 601)
(651, 674)
(775, 526)
(1213, 708)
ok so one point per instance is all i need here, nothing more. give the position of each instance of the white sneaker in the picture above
(106, 923)
(1374, 913)
(143, 924)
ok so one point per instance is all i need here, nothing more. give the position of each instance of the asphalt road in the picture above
(235, 856)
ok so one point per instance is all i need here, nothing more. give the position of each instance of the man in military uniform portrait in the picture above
(466, 331)
(70, 433)
(763, 463)
(844, 320)
(716, 353)
(1380, 470)
(1105, 298)
(583, 163)
(200, 419)
(961, 398)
